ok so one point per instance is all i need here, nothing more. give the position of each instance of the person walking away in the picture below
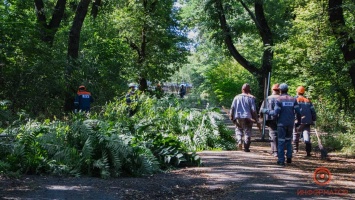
(131, 92)
(243, 113)
(270, 121)
(182, 91)
(285, 109)
(83, 100)
(159, 92)
(308, 117)
(130, 98)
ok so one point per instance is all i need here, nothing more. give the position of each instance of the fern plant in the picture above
(163, 133)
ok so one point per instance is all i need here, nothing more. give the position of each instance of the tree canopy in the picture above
(49, 48)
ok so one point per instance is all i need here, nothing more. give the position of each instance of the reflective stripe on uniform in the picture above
(281, 140)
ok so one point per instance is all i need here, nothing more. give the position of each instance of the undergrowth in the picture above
(162, 134)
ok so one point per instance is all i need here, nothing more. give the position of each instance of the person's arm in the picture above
(276, 111)
(298, 111)
(232, 111)
(254, 113)
(261, 109)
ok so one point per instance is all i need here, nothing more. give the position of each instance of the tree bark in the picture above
(95, 8)
(74, 34)
(48, 31)
(346, 43)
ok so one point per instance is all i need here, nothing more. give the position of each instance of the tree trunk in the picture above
(141, 48)
(48, 31)
(73, 50)
(95, 8)
(143, 85)
(74, 34)
(347, 43)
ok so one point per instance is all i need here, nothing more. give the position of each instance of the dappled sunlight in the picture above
(65, 187)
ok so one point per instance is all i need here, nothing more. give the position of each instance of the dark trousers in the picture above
(272, 126)
(284, 134)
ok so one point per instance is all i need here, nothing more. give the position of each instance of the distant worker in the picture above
(182, 90)
(270, 121)
(131, 92)
(159, 92)
(83, 100)
(308, 117)
(131, 98)
(243, 113)
(286, 108)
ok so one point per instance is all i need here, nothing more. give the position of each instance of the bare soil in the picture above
(223, 175)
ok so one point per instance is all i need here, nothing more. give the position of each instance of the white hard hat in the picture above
(131, 85)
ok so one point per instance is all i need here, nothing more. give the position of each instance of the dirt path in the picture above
(224, 175)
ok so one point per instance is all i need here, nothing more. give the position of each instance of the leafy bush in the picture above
(162, 134)
(5, 115)
(339, 127)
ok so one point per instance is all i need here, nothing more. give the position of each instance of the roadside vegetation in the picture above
(162, 134)
(49, 48)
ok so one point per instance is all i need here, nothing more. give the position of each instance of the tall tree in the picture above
(262, 26)
(153, 31)
(248, 29)
(49, 30)
(343, 34)
(73, 50)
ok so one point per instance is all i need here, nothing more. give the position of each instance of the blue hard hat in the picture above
(283, 87)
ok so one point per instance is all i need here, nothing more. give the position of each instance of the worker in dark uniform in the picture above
(182, 90)
(308, 117)
(131, 98)
(270, 121)
(285, 109)
(83, 100)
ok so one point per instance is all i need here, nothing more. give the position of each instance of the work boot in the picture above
(289, 160)
(240, 146)
(274, 154)
(281, 163)
(246, 146)
(308, 149)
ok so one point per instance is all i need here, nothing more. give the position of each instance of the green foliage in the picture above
(162, 134)
(339, 127)
(35, 71)
(226, 81)
(6, 116)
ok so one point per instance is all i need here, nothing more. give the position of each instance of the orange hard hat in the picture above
(276, 86)
(82, 87)
(300, 90)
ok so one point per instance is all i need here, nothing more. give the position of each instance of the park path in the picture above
(230, 175)
(255, 175)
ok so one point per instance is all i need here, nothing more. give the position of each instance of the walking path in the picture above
(255, 175)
